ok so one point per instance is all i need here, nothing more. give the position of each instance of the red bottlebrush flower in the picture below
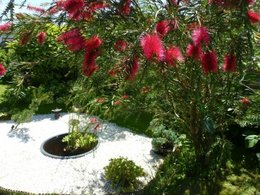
(200, 35)
(72, 6)
(209, 62)
(174, 2)
(245, 101)
(250, 2)
(2, 70)
(89, 64)
(93, 43)
(229, 64)
(117, 102)
(172, 55)
(133, 69)
(125, 7)
(120, 45)
(5, 27)
(76, 16)
(93, 6)
(163, 27)
(229, 3)
(59, 3)
(86, 15)
(152, 45)
(41, 37)
(194, 51)
(100, 100)
(53, 10)
(96, 128)
(36, 9)
(253, 16)
(124, 96)
(73, 40)
(93, 120)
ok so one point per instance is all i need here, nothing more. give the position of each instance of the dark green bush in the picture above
(123, 174)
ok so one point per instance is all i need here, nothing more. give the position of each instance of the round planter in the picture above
(55, 148)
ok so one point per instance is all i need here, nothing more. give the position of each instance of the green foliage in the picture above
(163, 139)
(251, 140)
(248, 115)
(78, 138)
(123, 174)
(25, 115)
(34, 65)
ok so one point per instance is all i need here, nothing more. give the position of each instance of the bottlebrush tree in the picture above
(182, 59)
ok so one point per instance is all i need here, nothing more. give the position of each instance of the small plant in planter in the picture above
(163, 139)
(123, 174)
(78, 138)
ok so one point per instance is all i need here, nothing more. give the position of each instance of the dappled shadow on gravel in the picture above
(20, 133)
(112, 133)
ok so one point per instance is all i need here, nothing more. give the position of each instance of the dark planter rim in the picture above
(65, 157)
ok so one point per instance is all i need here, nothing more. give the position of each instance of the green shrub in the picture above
(123, 174)
(77, 139)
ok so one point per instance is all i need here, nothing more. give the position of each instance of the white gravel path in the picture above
(24, 168)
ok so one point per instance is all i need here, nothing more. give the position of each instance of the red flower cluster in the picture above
(229, 3)
(93, 6)
(93, 120)
(89, 65)
(174, 2)
(125, 8)
(152, 45)
(100, 100)
(41, 36)
(164, 26)
(194, 51)
(199, 35)
(172, 55)
(78, 9)
(73, 40)
(117, 102)
(72, 6)
(133, 69)
(93, 43)
(120, 45)
(5, 27)
(229, 64)
(209, 62)
(245, 101)
(36, 9)
(2, 70)
(253, 16)
(124, 96)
